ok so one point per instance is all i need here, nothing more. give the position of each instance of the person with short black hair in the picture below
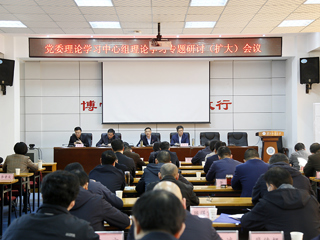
(211, 146)
(52, 220)
(201, 154)
(213, 158)
(156, 149)
(179, 137)
(280, 160)
(158, 215)
(246, 174)
(165, 146)
(106, 139)
(148, 139)
(313, 164)
(94, 208)
(107, 173)
(118, 148)
(284, 208)
(135, 156)
(224, 166)
(78, 138)
(300, 155)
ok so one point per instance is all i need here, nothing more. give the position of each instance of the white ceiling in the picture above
(238, 17)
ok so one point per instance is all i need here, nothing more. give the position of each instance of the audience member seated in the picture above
(107, 173)
(224, 166)
(284, 208)
(169, 172)
(165, 146)
(213, 158)
(211, 146)
(201, 154)
(135, 156)
(118, 147)
(180, 137)
(282, 161)
(1, 160)
(247, 174)
(52, 220)
(97, 187)
(106, 139)
(196, 228)
(158, 215)
(147, 139)
(94, 208)
(78, 138)
(153, 155)
(299, 154)
(313, 164)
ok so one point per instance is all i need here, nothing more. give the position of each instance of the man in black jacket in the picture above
(165, 146)
(94, 208)
(201, 154)
(313, 164)
(118, 147)
(78, 138)
(52, 220)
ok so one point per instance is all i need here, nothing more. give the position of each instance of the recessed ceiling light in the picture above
(105, 24)
(200, 24)
(12, 24)
(94, 3)
(312, 2)
(219, 35)
(210, 3)
(263, 35)
(295, 23)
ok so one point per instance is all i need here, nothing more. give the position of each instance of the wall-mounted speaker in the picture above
(309, 70)
(6, 72)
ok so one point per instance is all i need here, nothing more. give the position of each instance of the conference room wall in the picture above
(52, 93)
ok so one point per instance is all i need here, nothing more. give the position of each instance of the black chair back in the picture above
(209, 136)
(238, 138)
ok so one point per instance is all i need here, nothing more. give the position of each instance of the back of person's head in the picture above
(277, 176)
(159, 210)
(126, 146)
(108, 157)
(314, 148)
(224, 152)
(179, 127)
(251, 154)
(73, 166)
(60, 188)
(82, 177)
(212, 144)
(168, 169)
(156, 146)
(20, 148)
(163, 157)
(207, 143)
(164, 145)
(278, 157)
(77, 128)
(219, 144)
(111, 130)
(299, 146)
(117, 145)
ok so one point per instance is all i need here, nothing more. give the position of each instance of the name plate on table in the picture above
(188, 159)
(228, 234)
(6, 177)
(110, 235)
(204, 212)
(271, 235)
(220, 182)
(184, 145)
(141, 159)
(79, 145)
(318, 175)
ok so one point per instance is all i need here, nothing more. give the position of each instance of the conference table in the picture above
(89, 157)
(183, 172)
(193, 180)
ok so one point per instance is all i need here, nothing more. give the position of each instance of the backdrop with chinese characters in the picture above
(57, 96)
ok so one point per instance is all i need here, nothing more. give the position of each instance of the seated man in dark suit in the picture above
(165, 146)
(78, 138)
(213, 158)
(107, 173)
(284, 208)
(280, 160)
(148, 139)
(169, 172)
(153, 155)
(313, 164)
(135, 156)
(211, 146)
(158, 215)
(247, 174)
(201, 154)
(179, 137)
(224, 166)
(118, 147)
(94, 208)
(107, 139)
(52, 220)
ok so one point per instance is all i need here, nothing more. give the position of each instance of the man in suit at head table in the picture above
(148, 139)
(78, 138)
(107, 139)
(180, 137)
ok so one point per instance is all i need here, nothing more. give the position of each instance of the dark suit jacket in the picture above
(153, 156)
(84, 139)
(219, 169)
(312, 165)
(247, 174)
(123, 159)
(209, 162)
(105, 140)
(136, 158)
(186, 190)
(145, 141)
(109, 176)
(200, 156)
(184, 139)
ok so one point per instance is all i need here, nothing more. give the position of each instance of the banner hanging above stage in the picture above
(139, 48)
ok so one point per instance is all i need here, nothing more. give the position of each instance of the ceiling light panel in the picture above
(312, 2)
(211, 3)
(94, 3)
(105, 24)
(12, 24)
(200, 24)
(295, 23)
